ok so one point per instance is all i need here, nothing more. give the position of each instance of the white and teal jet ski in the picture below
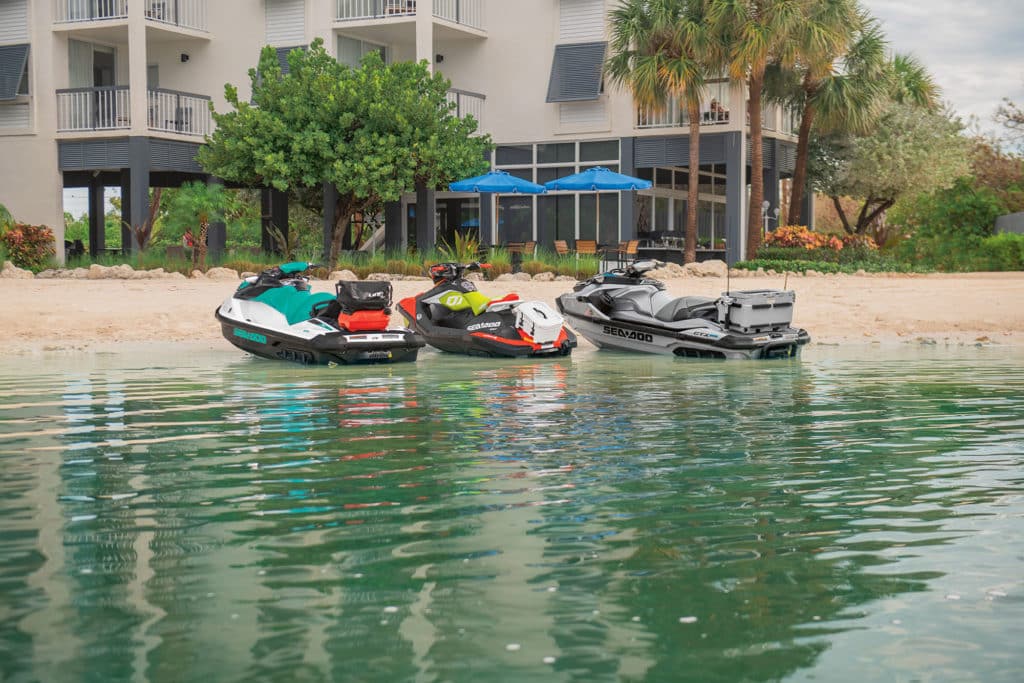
(624, 310)
(274, 315)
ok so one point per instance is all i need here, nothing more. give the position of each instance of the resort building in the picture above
(115, 93)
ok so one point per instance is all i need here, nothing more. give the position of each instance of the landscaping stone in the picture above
(544, 277)
(474, 277)
(384, 276)
(504, 277)
(197, 275)
(13, 272)
(222, 274)
(522, 277)
(247, 274)
(344, 275)
(565, 278)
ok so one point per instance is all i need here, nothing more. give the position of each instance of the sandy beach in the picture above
(88, 315)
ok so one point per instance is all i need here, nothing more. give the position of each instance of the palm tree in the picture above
(910, 83)
(197, 201)
(661, 49)
(839, 90)
(760, 32)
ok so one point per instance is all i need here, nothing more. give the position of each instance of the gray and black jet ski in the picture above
(624, 310)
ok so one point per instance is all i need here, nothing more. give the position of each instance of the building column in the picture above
(425, 32)
(771, 188)
(487, 219)
(735, 197)
(426, 212)
(97, 219)
(627, 200)
(137, 60)
(274, 205)
(394, 226)
(138, 191)
(217, 233)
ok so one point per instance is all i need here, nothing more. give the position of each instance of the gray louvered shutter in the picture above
(13, 21)
(576, 72)
(13, 59)
(282, 55)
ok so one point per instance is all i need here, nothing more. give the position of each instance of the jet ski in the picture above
(624, 310)
(274, 315)
(455, 317)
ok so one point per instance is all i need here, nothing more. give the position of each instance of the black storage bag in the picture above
(373, 295)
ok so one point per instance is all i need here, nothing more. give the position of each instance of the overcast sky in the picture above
(974, 49)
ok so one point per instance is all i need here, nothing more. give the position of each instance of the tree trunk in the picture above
(867, 217)
(693, 186)
(756, 166)
(796, 195)
(842, 214)
(344, 207)
(200, 247)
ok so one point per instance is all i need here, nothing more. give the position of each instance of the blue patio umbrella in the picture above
(497, 182)
(597, 179)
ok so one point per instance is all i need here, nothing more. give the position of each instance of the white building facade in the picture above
(114, 93)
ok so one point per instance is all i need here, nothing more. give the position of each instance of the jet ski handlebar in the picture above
(448, 272)
(636, 269)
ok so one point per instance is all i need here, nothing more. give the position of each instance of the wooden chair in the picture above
(530, 248)
(586, 247)
(561, 247)
(514, 247)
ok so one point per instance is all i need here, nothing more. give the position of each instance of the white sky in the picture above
(974, 49)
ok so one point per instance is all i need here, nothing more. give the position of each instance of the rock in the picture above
(222, 274)
(248, 273)
(197, 275)
(343, 275)
(48, 274)
(98, 272)
(712, 268)
(565, 278)
(861, 272)
(504, 277)
(544, 277)
(13, 272)
(474, 277)
(175, 276)
(760, 272)
(737, 272)
(812, 273)
(384, 276)
(415, 278)
(76, 274)
(522, 277)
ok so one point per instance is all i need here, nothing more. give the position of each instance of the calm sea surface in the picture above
(203, 516)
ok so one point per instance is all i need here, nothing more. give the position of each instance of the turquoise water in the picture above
(202, 516)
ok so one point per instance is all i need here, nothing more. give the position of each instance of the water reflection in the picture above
(453, 519)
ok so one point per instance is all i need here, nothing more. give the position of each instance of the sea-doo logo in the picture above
(251, 336)
(453, 300)
(629, 334)
(484, 326)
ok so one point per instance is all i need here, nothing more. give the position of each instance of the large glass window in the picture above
(556, 153)
(661, 214)
(557, 219)
(515, 219)
(351, 51)
(524, 173)
(546, 175)
(514, 155)
(602, 150)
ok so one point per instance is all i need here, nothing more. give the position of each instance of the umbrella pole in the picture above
(494, 225)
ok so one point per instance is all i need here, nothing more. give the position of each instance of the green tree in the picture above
(840, 84)
(374, 132)
(197, 202)
(909, 151)
(6, 219)
(662, 49)
(759, 33)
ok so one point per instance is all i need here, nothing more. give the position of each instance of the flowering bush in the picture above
(29, 246)
(798, 236)
(864, 242)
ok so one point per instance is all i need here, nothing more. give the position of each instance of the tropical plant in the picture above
(464, 247)
(29, 246)
(909, 82)
(286, 244)
(197, 202)
(759, 33)
(373, 133)
(6, 219)
(662, 49)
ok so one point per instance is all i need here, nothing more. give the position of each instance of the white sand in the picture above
(45, 315)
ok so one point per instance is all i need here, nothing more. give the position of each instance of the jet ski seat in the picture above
(686, 307)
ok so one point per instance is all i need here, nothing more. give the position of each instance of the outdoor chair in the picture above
(586, 247)
(561, 247)
(530, 248)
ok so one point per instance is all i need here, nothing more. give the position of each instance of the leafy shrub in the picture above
(881, 264)
(1004, 251)
(800, 236)
(464, 248)
(29, 246)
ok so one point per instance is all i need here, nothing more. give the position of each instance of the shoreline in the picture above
(60, 315)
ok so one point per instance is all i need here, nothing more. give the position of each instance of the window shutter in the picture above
(580, 20)
(286, 22)
(282, 55)
(13, 21)
(576, 72)
(13, 59)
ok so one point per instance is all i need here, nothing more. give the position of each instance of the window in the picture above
(556, 153)
(576, 72)
(514, 154)
(601, 150)
(13, 71)
(352, 50)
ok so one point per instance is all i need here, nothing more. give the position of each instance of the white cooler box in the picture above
(759, 310)
(539, 320)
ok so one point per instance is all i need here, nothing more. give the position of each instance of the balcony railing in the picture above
(349, 10)
(178, 112)
(468, 104)
(91, 10)
(184, 13)
(104, 108)
(109, 108)
(675, 114)
(467, 12)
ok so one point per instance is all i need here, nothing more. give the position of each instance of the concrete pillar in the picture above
(425, 32)
(138, 167)
(394, 226)
(97, 220)
(735, 197)
(627, 200)
(771, 187)
(137, 60)
(426, 211)
(274, 205)
(217, 233)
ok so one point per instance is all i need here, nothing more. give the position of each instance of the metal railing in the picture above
(791, 118)
(468, 104)
(184, 13)
(467, 12)
(90, 10)
(179, 112)
(675, 114)
(109, 108)
(349, 10)
(101, 108)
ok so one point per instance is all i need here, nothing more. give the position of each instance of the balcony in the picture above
(464, 12)
(109, 109)
(468, 104)
(187, 14)
(674, 115)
